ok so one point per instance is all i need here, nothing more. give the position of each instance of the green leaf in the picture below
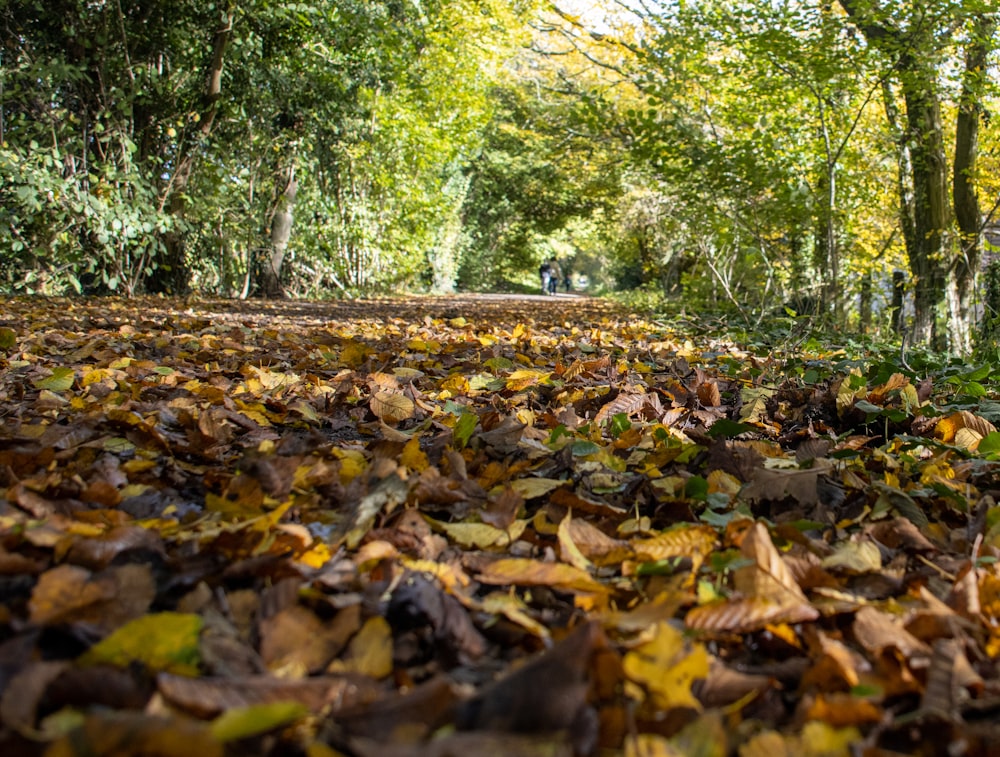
(990, 443)
(727, 428)
(118, 445)
(979, 373)
(867, 407)
(8, 338)
(584, 447)
(974, 389)
(163, 642)
(59, 380)
(696, 487)
(244, 722)
(463, 429)
(619, 424)
(499, 364)
(557, 433)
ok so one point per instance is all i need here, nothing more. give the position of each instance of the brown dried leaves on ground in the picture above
(481, 525)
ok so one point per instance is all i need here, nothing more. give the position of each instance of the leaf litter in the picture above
(425, 526)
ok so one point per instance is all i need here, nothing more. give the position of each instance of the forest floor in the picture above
(485, 525)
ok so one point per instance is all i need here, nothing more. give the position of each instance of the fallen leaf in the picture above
(369, 652)
(525, 572)
(163, 642)
(245, 722)
(392, 407)
(666, 666)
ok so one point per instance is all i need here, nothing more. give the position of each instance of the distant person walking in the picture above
(555, 275)
(545, 272)
(568, 279)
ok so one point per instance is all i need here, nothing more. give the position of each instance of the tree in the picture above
(915, 39)
(105, 107)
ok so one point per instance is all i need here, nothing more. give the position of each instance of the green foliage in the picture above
(730, 155)
(530, 186)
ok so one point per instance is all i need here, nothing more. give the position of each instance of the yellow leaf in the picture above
(306, 410)
(243, 722)
(525, 572)
(482, 535)
(721, 482)
(413, 457)
(754, 408)
(819, 739)
(855, 557)
(512, 608)
(686, 541)
(451, 577)
(369, 652)
(163, 642)
(567, 547)
(352, 464)
(407, 374)
(354, 354)
(317, 556)
(456, 384)
(846, 395)
(651, 745)
(530, 488)
(968, 439)
(666, 666)
(96, 375)
(520, 380)
(392, 407)
(768, 744)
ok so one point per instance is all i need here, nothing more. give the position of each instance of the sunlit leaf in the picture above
(244, 722)
(531, 488)
(512, 608)
(568, 549)
(525, 572)
(413, 457)
(482, 535)
(464, 428)
(521, 379)
(8, 338)
(666, 666)
(59, 380)
(392, 407)
(686, 541)
(166, 641)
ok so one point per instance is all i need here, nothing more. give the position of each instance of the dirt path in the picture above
(500, 309)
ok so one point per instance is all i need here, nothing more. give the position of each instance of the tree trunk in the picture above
(989, 326)
(896, 308)
(865, 305)
(172, 274)
(925, 214)
(925, 135)
(280, 233)
(965, 266)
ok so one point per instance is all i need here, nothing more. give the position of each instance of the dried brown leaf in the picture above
(876, 631)
(392, 407)
(525, 572)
